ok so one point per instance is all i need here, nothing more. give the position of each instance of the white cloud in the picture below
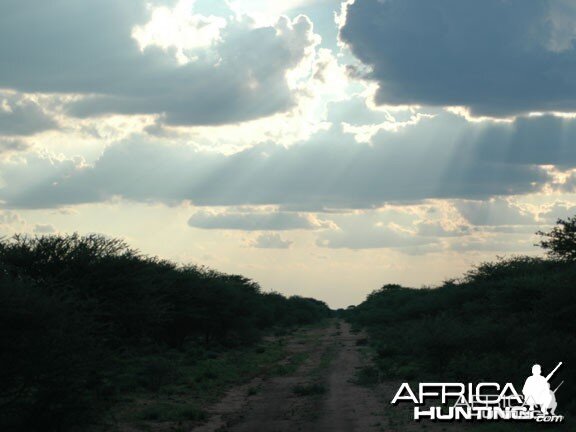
(375, 229)
(255, 221)
(181, 29)
(270, 241)
(372, 237)
(439, 229)
(558, 210)
(490, 244)
(44, 229)
(497, 211)
(264, 11)
(11, 223)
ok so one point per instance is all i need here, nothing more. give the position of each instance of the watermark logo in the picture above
(485, 401)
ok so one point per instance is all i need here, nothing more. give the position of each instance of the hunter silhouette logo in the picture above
(485, 401)
(537, 393)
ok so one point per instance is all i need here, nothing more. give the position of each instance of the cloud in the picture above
(371, 236)
(22, 116)
(438, 157)
(271, 241)
(99, 50)
(570, 184)
(559, 210)
(10, 223)
(498, 58)
(10, 218)
(269, 221)
(390, 227)
(9, 145)
(26, 177)
(541, 140)
(496, 211)
(512, 245)
(44, 229)
(437, 229)
(267, 7)
(506, 229)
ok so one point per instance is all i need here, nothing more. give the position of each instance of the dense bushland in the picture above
(493, 324)
(72, 306)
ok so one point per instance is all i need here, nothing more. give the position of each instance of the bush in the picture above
(494, 324)
(70, 304)
(50, 361)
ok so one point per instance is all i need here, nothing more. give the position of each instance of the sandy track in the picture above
(332, 361)
(348, 406)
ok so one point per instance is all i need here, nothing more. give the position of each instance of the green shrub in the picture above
(496, 322)
(83, 318)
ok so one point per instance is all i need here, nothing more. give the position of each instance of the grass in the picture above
(367, 376)
(316, 387)
(170, 386)
(326, 358)
(289, 366)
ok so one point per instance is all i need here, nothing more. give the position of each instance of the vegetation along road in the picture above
(97, 337)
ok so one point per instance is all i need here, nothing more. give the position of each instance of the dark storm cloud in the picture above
(496, 57)
(67, 46)
(437, 158)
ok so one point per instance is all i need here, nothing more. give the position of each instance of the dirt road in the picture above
(319, 395)
(322, 381)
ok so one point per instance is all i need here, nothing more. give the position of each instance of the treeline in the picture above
(70, 305)
(493, 324)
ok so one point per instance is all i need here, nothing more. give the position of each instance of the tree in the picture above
(560, 242)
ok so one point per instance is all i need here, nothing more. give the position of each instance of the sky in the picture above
(320, 147)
